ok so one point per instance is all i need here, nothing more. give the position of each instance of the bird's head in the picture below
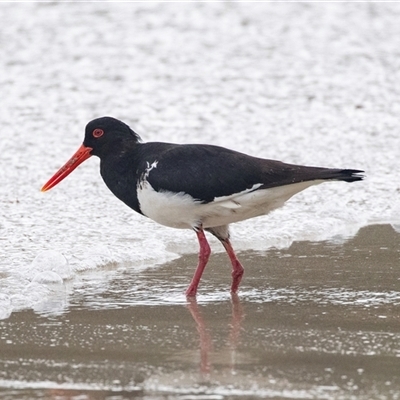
(101, 135)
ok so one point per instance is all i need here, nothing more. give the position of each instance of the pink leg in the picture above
(237, 269)
(204, 255)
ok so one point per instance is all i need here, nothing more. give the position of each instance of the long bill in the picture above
(78, 158)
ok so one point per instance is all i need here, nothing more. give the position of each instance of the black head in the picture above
(101, 134)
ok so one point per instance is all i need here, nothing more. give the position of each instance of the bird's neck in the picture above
(119, 170)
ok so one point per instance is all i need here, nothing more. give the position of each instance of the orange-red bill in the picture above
(79, 157)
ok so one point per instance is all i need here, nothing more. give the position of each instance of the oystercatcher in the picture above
(193, 186)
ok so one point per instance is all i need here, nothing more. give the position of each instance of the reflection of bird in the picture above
(205, 336)
(199, 187)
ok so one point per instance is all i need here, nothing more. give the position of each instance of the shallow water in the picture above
(314, 321)
(289, 81)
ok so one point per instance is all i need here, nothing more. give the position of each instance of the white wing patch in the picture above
(232, 201)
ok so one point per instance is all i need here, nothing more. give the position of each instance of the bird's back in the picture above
(162, 180)
(206, 172)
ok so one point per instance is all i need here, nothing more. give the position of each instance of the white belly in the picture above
(180, 210)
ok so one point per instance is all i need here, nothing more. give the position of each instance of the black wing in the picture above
(205, 171)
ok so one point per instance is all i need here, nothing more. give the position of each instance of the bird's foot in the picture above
(191, 291)
(237, 275)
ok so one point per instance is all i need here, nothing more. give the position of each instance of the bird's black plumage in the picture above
(203, 171)
(207, 172)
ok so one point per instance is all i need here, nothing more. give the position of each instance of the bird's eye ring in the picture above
(98, 132)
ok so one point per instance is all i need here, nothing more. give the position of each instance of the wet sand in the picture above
(316, 321)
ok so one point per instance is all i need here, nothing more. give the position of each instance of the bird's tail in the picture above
(346, 175)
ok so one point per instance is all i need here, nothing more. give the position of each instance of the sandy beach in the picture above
(318, 320)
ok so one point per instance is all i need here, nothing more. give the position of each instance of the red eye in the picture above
(97, 133)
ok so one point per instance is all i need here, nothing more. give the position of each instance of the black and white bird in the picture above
(193, 186)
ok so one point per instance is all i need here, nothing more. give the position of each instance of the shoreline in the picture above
(305, 318)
